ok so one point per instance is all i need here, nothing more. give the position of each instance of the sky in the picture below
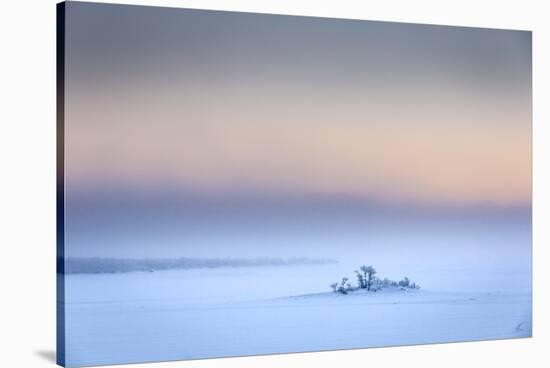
(209, 128)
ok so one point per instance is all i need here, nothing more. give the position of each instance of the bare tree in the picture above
(361, 280)
(364, 276)
(368, 274)
(334, 287)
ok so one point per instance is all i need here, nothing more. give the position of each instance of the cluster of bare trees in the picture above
(366, 279)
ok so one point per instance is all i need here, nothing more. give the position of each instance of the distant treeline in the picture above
(74, 265)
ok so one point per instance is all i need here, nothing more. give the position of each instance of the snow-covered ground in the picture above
(192, 314)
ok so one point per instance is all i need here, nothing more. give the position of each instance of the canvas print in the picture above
(235, 184)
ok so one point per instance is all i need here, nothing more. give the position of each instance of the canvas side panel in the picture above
(60, 202)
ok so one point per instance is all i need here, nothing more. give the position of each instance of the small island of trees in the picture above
(367, 280)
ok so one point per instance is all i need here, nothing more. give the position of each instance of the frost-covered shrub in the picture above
(343, 286)
(405, 282)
